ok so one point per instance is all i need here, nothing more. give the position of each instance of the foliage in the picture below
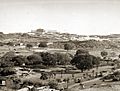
(67, 46)
(34, 59)
(10, 43)
(19, 60)
(119, 55)
(53, 85)
(84, 61)
(63, 59)
(29, 46)
(55, 58)
(44, 76)
(96, 61)
(6, 71)
(42, 44)
(48, 59)
(58, 80)
(104, 53)
(27, 83)
(16, 82)
(82, 52)
(6, 59)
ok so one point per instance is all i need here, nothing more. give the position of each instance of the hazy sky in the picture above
(74, 16)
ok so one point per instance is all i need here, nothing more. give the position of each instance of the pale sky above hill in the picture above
(74, 16)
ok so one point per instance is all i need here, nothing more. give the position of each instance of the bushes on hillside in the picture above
(34, 59)
(42, 44)
(19, 60)
(53, 85)
(6, 71)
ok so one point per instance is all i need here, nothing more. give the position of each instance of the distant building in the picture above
(39, 31)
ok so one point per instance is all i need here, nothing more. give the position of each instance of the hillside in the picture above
(57, 39)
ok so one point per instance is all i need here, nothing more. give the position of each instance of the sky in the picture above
(84, 17)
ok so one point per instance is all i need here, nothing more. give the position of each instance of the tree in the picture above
(104, 54)
(63, 59)
(10, 44)
(6, 71)
(82, 52)
(19, 60)
(67, 46)
(34, 59)
(6, 59)
(48, 59)
(96, 61)
(29, 46)
(44, 76)
(83, 62)
(53, 84)
(42, 44)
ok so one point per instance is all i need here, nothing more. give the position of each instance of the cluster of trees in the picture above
(82, 59)
(6, 71)
(85, 44)
(107, 57)
(52, 59)
(68, 46)
(43, 58)
(41, 44)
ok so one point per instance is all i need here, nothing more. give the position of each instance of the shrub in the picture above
(44, 76)
(42, 44)
(53, 85)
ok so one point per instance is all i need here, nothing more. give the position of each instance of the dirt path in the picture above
(77, 85)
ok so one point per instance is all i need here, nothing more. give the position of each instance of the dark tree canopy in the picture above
(29, 46)
(34, 59)
(67, 46)
(96, 61)
(48, 59)
(42, 44)
(104, 53)
(6, 59)
(6, 71)
(10, 44)
(84, 62)
(44, 76)
(55, 58)
(19, 60)
(119, 55)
